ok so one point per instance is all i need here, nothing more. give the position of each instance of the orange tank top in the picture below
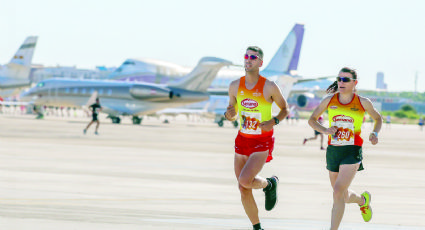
(253, 109)
(348, 118)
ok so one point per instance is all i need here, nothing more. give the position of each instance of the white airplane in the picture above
(120, 98)
(282, 69)
(15, 74)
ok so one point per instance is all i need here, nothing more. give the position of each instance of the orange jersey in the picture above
(348, 118)
(253, 109)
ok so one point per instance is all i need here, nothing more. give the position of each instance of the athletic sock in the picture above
(257, 226)
(269, 185)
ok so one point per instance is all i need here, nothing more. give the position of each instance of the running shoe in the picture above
(321, 148)
(305, 140)
(85, 131)
(271, 193)
(365, 208)
(96, 133)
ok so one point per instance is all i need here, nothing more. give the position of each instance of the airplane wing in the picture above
(202, 75)
(301, 80)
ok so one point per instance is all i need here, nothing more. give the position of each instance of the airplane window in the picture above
(109, 92)
(75, 90)
(100, 91)
(67, 90)
(83, 91)
(128, 63)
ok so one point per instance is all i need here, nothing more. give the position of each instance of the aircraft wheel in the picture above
(116, 120)
(137, 120)
(220, 123)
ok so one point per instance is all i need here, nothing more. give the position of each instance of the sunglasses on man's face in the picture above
(344, 79)
(252, 57)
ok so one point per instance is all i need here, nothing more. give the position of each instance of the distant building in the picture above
(380, 84)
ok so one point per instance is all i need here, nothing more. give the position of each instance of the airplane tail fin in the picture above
(286, 58)
(20, 64)
(202, 75)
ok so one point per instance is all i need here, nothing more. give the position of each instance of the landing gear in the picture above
(137, 120)
(115, 120)
(220, 123)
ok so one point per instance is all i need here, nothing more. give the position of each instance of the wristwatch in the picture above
(276, 120)
(374, 133)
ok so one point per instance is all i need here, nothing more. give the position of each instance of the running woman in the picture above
(253, 96)
(344, 152)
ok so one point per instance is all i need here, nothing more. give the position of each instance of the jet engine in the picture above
(151, 93)
(306, 101)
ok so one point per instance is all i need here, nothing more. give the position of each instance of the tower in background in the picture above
(380, 84)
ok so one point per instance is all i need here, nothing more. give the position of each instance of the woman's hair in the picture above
(334, 86)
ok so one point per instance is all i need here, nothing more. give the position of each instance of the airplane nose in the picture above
(28, 96)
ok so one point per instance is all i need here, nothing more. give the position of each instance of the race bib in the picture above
(345, 133)
(250, 122)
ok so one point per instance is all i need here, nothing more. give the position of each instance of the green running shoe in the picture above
(365, 208)
(271, 194)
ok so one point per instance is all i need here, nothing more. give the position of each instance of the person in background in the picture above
(95, 109)
(316, 133)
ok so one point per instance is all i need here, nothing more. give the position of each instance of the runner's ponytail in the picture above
(332, 88)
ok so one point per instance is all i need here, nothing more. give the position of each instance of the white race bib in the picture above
(345, 133)
(250, 122)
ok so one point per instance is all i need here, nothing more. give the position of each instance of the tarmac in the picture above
(180, 176)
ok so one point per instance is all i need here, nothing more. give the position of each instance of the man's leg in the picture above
(91, 122)
(246, 170)
(97, 125)
(340, 183)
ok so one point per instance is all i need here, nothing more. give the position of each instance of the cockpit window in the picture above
(41, 84)
(128, 63)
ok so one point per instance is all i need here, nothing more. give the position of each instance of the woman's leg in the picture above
(340, 182)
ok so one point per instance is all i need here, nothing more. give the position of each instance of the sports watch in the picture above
(276, 120)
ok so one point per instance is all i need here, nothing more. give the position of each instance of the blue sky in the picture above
(370, 36)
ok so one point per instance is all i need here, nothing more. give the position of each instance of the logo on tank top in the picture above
(333, 107)
(249, 103)
(256, 94)
(343, 118)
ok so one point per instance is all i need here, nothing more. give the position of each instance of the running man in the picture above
(344, 153)
(95, 108)
(252, 96)
(320, 120)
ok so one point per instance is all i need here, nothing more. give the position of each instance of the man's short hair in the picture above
(256, 49)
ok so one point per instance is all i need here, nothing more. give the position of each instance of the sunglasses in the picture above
(252, 57)
(344, 79)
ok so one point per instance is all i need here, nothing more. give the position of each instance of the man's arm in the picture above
(277, 97)
(231, 112)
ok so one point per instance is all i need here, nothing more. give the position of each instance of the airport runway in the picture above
(180, 176)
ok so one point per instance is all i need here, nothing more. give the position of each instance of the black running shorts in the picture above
(343, 155)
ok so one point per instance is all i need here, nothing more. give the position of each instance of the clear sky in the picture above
(368, 35)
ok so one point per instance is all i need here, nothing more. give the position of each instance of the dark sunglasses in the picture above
(344, 79)
(252, 57)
